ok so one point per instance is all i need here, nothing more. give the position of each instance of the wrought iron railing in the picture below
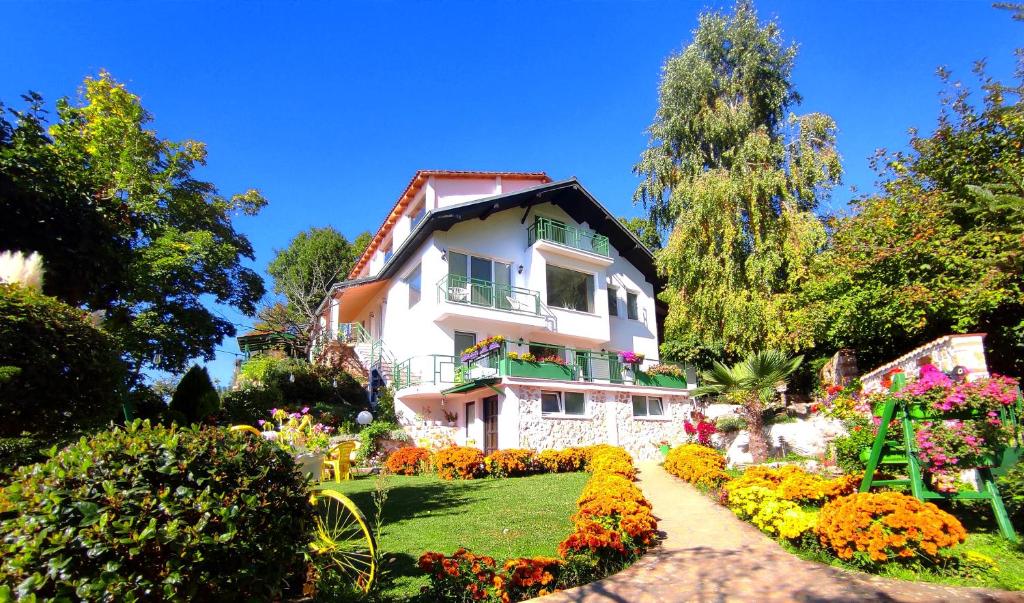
(545, 229)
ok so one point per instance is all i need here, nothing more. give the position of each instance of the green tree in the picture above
(751, 383)
(645, 230)
(304, 271)
(195, 398)
(126, 221)
(938, 249)
(735, 179)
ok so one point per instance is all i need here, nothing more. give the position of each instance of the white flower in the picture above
(16, 267)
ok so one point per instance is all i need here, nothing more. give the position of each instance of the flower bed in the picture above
(459, 462)
(700, 465)
(612, 526)
(408, 461)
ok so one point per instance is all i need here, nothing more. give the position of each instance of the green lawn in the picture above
(511, 517)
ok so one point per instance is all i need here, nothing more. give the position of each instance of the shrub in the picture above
(58, 372)
(771, 513)
(701, 466)
(1011, 486)
(875, 527)
(604, 462)
(846, 449)
(468, 577)
(195, 397)
(459, 462)
(528, 577)
(407, 461)
(156, 513)
(248, 405)
(792, 483)
(369, 440)
(513, 462)
(562, 461)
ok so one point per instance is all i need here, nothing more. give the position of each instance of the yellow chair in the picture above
(338, 460)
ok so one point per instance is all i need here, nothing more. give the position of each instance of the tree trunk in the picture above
(758, 445)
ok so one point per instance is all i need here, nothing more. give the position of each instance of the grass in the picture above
(513, 517)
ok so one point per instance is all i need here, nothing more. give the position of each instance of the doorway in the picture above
(490, 424)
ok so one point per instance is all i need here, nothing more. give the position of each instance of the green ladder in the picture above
(900, 449)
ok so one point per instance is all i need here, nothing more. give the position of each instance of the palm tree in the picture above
(753, 383)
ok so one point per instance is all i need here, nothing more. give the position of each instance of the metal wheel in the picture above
(246, 428)
(343, 539)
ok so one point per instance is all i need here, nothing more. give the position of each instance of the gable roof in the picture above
(569, 195)
(410, 193)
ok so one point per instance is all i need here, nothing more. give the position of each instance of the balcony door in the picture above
(462, 341)
(490, 424)
(479, 281)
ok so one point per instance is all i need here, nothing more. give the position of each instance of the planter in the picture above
(310, 464)
(664, 449)
(641, 378)
(484, 351)
(538, 370)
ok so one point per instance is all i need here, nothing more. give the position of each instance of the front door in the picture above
(490, 424)
(471, 424)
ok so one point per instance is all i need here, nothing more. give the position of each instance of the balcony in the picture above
(543, 361)
(427, 373)
(464, 297)
(552, 231)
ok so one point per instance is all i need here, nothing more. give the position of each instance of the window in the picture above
(415, 287)
(463, 341)
(479, 281)
(570, 289)
(613, 301)
(417, 215)
(646, 406)
(470, 417)
(388, 253)
(563, 403)
(631, 309)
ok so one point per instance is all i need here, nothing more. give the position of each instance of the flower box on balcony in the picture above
(481, 352)
(642, 378)
(537, 370)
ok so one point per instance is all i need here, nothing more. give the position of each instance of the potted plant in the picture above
(482, 348)
(663, 447)
(661, 375)
(297, 434)
(631, 358)
(551, 366)
(450, 416)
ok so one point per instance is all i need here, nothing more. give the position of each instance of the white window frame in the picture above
(613, 301)
(593, 299)
(561, 405)
(637, 308)
(647, 408)
(418, 269)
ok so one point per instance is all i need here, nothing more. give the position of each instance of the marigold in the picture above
(699, 465)
(459, 462)
(407, 461)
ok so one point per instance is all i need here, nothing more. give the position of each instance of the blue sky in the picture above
(329, 107)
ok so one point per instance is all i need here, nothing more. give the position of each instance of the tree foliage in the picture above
(735, 179)
(645, 229)
(304, 271)
(752, 383)
(195, 397)
(939, 248)
(120, 217)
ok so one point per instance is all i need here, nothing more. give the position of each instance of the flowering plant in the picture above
(943, 446)
(296, 432)
(407, 461)
(553, 359)
(701, 466)
(525, 356)
(670, 370)
(700, 429)
(630, 358)
(459, 462)
(474, 351)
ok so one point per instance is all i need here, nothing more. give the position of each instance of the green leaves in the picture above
(736, 184)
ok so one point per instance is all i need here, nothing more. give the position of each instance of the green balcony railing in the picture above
(486, 294)
(433, 369)
(545, 229)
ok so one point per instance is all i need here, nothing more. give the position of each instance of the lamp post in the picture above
(364, 418)
(781, 388)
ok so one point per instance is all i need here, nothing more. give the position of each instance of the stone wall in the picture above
(609, 420)
(946, 353)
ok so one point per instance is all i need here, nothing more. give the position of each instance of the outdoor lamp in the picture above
(291, 377)
(364, 418)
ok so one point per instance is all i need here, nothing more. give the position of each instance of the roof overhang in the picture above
(471, 386)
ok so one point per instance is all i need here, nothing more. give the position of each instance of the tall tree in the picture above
(734, 179)
(152, 241)
(646, 230)
(304, 271)
(938, 249)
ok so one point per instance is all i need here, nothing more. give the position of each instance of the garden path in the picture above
(709, 555)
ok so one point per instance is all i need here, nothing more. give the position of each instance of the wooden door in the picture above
(490, 424)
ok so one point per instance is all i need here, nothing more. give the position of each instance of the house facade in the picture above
(508, 311)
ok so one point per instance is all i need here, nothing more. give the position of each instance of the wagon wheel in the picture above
(343, 539)
(246, 428)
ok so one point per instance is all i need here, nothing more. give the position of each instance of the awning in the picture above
(353, 300)
(473, 385)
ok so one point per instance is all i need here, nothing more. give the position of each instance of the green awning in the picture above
(471, 386)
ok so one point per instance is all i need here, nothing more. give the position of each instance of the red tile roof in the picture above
(413, 189)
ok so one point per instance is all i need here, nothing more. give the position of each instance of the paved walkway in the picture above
(709, 555)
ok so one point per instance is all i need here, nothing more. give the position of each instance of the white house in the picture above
(544, 281)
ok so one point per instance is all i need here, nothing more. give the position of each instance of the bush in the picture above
(1011, 487)
(792, 483)
(195, 398)
(870, 528)
(701, 466)
(604, 462)
(407, 461)
(369, 440)
(249, 405)
(847, 449)
(59, 373)
(459, 462)
(513, 462)
(156, 513)
(468, 577)
(771, 513)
